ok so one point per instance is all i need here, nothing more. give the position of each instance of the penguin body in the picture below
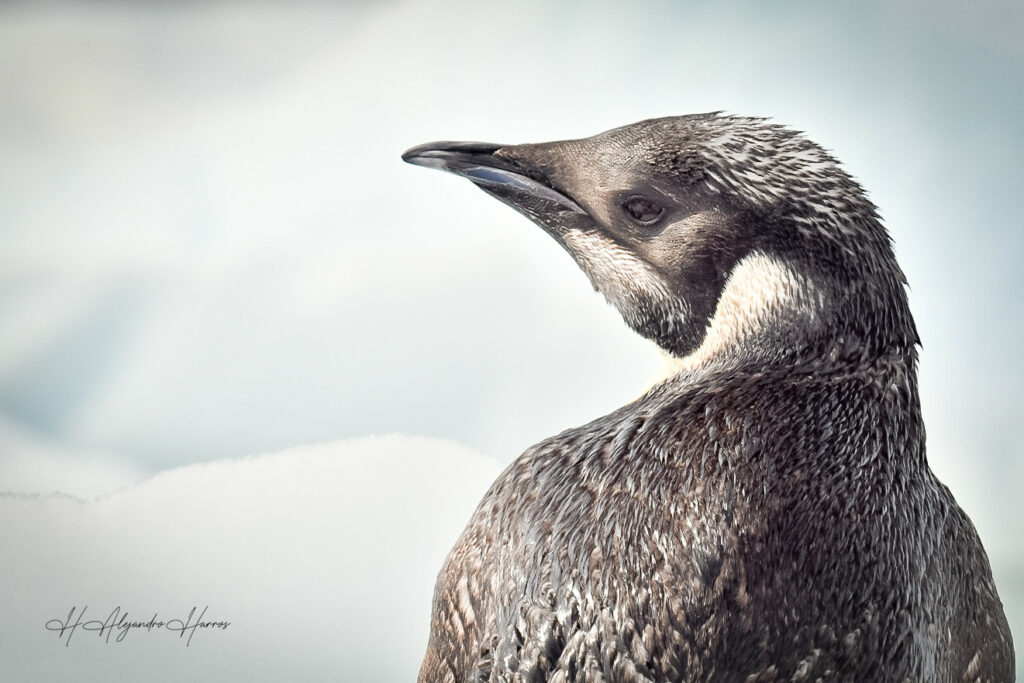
(767, 513)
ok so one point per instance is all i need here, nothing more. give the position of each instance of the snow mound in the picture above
(321, 558)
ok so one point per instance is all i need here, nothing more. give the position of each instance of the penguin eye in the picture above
(643, 210)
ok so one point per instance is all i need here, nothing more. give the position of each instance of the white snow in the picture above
(322, 558)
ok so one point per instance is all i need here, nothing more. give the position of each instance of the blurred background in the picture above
(210, 248)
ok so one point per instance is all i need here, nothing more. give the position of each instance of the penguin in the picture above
(767, 513)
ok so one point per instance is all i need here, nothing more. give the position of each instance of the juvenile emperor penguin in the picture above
(765, 514)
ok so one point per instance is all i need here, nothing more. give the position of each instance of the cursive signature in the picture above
(117, 625)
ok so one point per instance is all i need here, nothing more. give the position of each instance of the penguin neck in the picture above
(776, 313)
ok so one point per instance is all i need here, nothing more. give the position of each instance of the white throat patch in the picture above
(762, 300)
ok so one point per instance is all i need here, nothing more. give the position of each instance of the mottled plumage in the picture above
(767, 513)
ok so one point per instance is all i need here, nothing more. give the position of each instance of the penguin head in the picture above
(714, 236)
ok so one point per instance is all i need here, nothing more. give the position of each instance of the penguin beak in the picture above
(477, 162)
